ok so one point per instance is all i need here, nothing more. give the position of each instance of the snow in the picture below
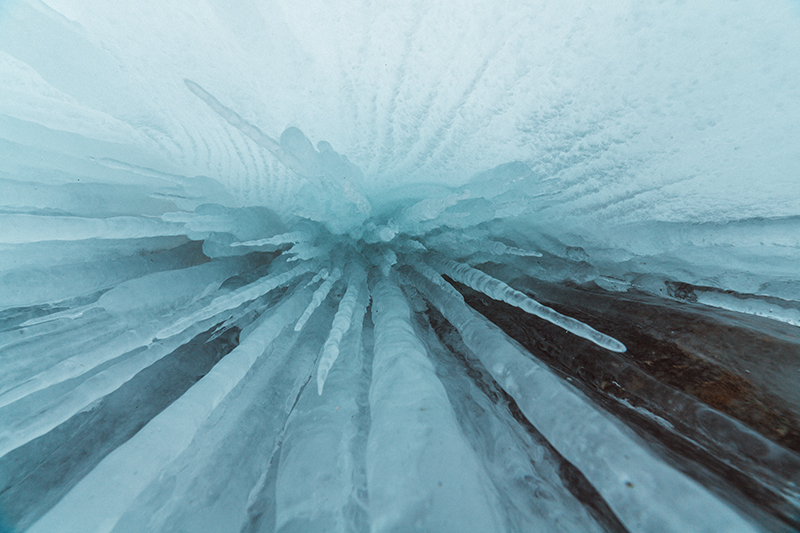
(317, 183)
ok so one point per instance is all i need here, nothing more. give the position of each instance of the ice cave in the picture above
(423, 266)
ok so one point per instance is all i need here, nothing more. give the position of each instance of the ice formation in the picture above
(540, 261)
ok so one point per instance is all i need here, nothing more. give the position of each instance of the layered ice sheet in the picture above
(243, 249)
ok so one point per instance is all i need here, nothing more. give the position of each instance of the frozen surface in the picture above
(259, 262)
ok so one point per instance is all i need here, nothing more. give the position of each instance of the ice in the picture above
(321, 275)
(645, 493)
(242, 125)
(232, 449)
(469, 243)
(318, 297)
(342, 321)
(413, 424)
(321, 485)
(433, 275)
(24, 421)
(276, 241)
(55, 279)
(110, 485)
(172, 290)
(523, 469)
(428, 209)
(169, 291)
(298, 154)
(334, 266)
(500, 291)
(23, 228)
(235, 299)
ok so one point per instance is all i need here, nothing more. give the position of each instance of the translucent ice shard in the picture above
(500, 291)
(643, 491)
(321, 485)
(255, 260)
(356, 285)
(278, 240)
(172, 290)
(319, 295)
(236, 298)
(23, 228)
(110, 485)
(413, 424)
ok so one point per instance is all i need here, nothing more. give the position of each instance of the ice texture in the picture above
(432, 266)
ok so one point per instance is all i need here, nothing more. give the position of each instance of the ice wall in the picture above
(666, 111)
(298, 192)
(657, 112)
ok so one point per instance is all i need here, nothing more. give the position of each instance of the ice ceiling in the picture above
(207, 205)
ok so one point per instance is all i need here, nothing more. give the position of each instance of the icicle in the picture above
(164, 292)
(292, 237)
(99, 500)
(388, 260)
(319, 296)
(22, 228)
(68, 354)
(468, 242)
(40, 284)
(427, 209)
(524, 470)
(420, 469)
(498, 248)
(341, 324)
(296, 152)
(410, 245)
(643, 491)
(235, 299)
(242, 125)
(321, 484)
(321, 275)
(305, 251)
(70, 314)
(233, 447)
(50, 412)
(498, 290)
(432, 275)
